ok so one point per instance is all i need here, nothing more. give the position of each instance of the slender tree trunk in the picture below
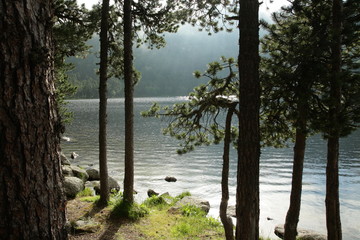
(332, 169)
(104, 46)
(292, 216)
(32, 204)
(129, 105)
(247, 192)
(225, 219)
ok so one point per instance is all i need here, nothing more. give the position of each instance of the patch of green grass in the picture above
(93, 199)
(132, 211)
(193, 224)
(182, 195)
(190, 210)
(87, 192)
(155, 201)
(197, 227)
(115, 197)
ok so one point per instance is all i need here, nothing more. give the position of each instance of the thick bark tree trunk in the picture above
(333, 221)
(129, 105)
(247, 195)
(32, 204)
(292, 216)
(225, 219)
(104, 46)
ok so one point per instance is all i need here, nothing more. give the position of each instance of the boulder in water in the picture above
(151, 193)
(170, 179)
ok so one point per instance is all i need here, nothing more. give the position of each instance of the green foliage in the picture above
(182, 195)
(93, 199)
(295, 71)
(87, 192)
(191, 210)
(132, 211)
(194, 226)
(155, 201)
(72, 28)
(195, 122)
(209, 15)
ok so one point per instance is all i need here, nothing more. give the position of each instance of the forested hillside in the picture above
(166, 71)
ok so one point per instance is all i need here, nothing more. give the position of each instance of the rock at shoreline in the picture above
(93, 173)
(113, 185)
(231, 211)
(74, 155)
(73, 185)
(151, 193)
(302, 234)
(64, 159)
(194, 201)
(170, 179)
(67, 171)
(79, 173)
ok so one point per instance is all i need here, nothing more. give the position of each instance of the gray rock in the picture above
(113, 184)
(231, 211)
(93, 174)
(74, 155)
(151, 193)
(73, 185)
(194, 201)
(303, 234)
(67, 171)
(166, 196)
(79, 173)
(64, 159)
(170, 179)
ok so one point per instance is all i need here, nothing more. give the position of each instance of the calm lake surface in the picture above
(200, 171)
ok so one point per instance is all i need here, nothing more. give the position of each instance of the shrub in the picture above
(132, 211)
(87, 192)
(153, 201)
(182, 195)
(191, 210)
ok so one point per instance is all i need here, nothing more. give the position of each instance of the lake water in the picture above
(200, 171)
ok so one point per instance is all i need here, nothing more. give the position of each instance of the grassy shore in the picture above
(147, 221)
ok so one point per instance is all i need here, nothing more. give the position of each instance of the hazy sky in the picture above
(263, 8)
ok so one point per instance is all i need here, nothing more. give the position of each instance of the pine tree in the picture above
(32, 204)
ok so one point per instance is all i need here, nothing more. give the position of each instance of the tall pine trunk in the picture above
(32, 204)
(225, 219)
(332, 169)
(247, 192)
(129, 105)
(292, 216)
(104, 46)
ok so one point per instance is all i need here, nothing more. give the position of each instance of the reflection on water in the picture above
(200, 171)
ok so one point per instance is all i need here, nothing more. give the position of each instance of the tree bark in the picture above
(333, 221)
(247, 202)
(292, 216)
(104, 46)
(129, 105)
(302, 93)
(225, 219)
(32, 204)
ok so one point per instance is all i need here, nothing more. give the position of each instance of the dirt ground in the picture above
(104, 228)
